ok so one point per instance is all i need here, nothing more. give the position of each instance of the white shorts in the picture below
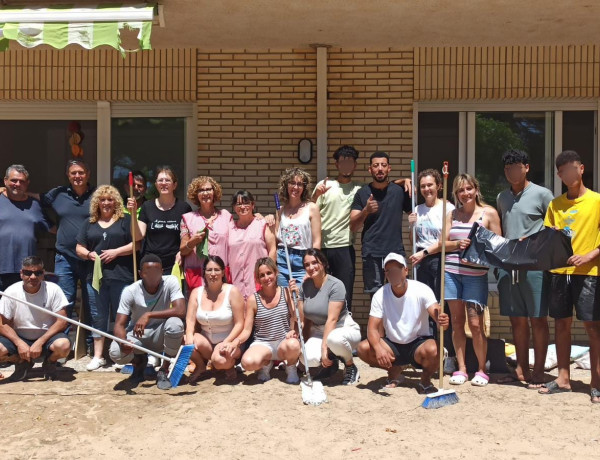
(272, 345)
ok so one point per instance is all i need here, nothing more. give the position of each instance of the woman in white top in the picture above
(215, 318)
(427, 220)
(298, 221)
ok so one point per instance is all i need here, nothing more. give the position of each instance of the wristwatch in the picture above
(426, 252)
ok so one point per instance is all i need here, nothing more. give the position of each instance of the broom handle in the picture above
(133, 223)
(414, 227)
(89, 328)
(442, 270)
(297, 310)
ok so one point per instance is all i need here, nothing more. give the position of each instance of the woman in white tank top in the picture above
(215, 318)
(298, 221)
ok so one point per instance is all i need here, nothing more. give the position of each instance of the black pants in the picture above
(341, 265)
(428, 272)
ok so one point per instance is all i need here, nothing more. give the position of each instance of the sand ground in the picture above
(98, 415)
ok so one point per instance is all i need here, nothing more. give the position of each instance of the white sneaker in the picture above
(264, 374)
(292, 374)
(95, 363)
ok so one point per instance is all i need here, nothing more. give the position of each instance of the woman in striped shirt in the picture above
(466, 283)
(270, 312)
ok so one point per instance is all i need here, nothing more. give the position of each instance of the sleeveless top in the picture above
(454, 264)
(216, 324)
(271, 324)
(245, 247)
(193, 222)
(297, 231)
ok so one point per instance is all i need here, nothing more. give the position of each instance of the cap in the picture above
(397, 257)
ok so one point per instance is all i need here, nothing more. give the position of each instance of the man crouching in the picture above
(27, 334)
(145, 318)
(398, 330)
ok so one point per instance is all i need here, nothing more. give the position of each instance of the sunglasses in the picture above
(32, 272)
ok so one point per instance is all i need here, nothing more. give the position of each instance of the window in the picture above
(578, 134)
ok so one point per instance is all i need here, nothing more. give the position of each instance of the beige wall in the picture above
(254, 106)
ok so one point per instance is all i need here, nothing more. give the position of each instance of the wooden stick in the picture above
(442, 270)
(133, 224)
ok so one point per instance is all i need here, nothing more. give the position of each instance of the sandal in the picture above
(595, 393)
(425, 390)
(552, 388)
(481, 379)
(458, 378)
(391, 384)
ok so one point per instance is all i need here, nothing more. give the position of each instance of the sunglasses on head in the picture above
(32, 272)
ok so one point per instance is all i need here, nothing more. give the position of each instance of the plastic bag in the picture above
(544, 250)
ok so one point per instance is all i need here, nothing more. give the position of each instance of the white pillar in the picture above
(321, 112)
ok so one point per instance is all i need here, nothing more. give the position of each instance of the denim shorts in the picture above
(296, 261)
(472, 289)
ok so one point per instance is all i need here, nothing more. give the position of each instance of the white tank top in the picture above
(297, 231)
(216, 324)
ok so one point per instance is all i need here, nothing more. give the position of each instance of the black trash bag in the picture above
(544, 250)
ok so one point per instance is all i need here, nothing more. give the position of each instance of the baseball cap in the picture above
(397, 257)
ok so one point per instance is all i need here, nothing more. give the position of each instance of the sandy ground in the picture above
(98, 415)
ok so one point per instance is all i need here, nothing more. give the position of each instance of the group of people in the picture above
(242, 274)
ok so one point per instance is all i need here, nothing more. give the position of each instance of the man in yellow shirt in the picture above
(578, 213)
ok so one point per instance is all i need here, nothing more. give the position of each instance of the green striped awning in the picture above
(89, 27)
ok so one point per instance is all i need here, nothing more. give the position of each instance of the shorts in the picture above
(272, 345)
(12, 348)
(472, 289)
(404, 353)
(562, 292)
(521, 294)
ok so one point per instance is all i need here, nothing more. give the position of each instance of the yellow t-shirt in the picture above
(581, 218)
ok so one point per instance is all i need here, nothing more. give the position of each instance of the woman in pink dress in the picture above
(250, 239)
(204, 192)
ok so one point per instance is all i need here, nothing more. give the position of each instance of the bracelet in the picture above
(87, 256)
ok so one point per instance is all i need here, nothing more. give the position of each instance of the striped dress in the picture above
(271, 324)
(460, 231)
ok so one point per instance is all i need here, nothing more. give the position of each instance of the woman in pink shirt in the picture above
(204, 192)
(250, 239)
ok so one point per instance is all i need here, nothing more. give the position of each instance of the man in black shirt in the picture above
(377, 208)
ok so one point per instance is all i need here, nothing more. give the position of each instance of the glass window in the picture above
(44, 147)
(578, 135)
(438, 142)
(145, 143)
(496, 132)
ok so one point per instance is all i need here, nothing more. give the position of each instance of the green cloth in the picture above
(202, 248)
(97, 275)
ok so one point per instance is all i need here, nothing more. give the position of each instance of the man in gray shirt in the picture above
(145, 317)
(522, 208)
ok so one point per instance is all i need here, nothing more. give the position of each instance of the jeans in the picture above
(298, 272)
(104, 304)
(71, 270)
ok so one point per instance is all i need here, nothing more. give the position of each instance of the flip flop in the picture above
(531, 385)
(391, 384)
(553, 388)
(595, 393)
(458, 378)
(480, 379)
(425, 390)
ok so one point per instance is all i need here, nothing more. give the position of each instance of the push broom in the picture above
(442, 397)
(178, 363)
(414, 227)
(133, 223)
(313, 392)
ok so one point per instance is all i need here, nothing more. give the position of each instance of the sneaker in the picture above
(162, 381)
(21, 370)
(351, 375)
(327, 372)
(49, 369)
(264, 374)
(139, 368)
(291, 373)
(96, 363)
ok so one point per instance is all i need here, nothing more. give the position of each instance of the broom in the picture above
(313, 392)
(442, 397)
(133, 223)
(414, 227)
(178, 363)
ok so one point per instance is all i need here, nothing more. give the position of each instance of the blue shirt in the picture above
(72, 212)
(21, 222)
